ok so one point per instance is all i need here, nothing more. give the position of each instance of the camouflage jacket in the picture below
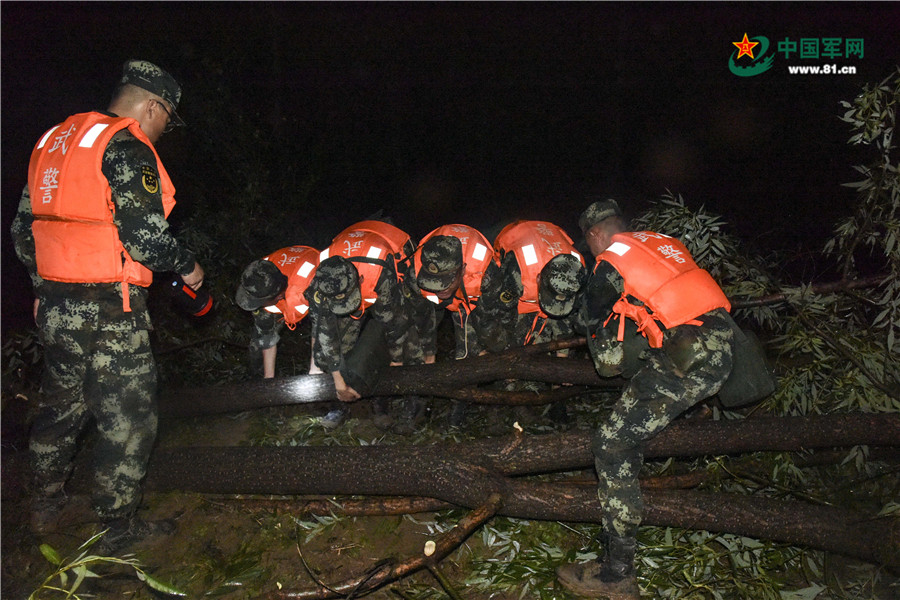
(142, 228)
(334, 336)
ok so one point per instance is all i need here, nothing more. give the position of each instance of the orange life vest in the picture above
(534, 243)
(659, 271)
(75, 237)
(298, 264)
(477, 255)
(369, 245)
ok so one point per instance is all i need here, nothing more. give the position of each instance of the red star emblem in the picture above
(745, 46)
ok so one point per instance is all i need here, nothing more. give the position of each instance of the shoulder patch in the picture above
(150, 179)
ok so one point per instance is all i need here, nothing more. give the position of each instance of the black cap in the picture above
(560, 280)
(148, 76)
(598, 211)
(336, 286)
(442, 260)
(261, 283)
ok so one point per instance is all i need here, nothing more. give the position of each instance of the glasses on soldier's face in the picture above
(170, 124)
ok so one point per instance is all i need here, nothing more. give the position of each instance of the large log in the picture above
(300, 469)
(447, 379)
(487, 467)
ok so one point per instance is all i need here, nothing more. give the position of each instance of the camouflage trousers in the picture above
(108, 374)
(660, 391)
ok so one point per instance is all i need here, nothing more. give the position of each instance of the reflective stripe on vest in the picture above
(659, 271)
(294, 306)
(76, 239)
(477, 255)
(534, 244)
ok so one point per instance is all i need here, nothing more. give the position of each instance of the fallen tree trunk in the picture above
(448, 379)
(298, 469)
(486, 467)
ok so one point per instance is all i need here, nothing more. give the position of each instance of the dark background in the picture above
(471, 113)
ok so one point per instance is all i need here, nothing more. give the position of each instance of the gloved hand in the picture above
(606, 352)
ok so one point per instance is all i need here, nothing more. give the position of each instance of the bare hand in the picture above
(194, 279)
(348, 394)
(345, 393)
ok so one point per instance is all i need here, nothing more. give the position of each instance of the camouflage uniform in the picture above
(98, 361)
(501, 326)
(665, 386)
(334, 336)
(426, 316)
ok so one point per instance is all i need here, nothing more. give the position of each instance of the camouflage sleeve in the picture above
(391, 311)
(604, 288)
(131, 169)
(423, 314)
(326, 338)
(266, 329)
(23, 239)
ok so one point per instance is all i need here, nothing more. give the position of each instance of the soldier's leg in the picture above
(125, 409)
(62, 413)
(657, 394)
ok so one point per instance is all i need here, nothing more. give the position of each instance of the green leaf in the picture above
(159, 586)
(50, 554)
(80, 572)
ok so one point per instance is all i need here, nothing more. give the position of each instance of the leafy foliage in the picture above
(833, 351)
(72, 572)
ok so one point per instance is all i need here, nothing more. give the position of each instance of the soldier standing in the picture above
(91, 229)
(651, 279)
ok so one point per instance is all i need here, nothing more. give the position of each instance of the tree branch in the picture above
(386, 572)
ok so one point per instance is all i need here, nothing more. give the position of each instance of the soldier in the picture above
(534, 296)
(651, 279)
(355, 286)
(272, 289)
(446, 270)
(91, 229)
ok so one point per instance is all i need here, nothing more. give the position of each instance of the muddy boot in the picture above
(458, 415)
(559, 414)
(613, 578)
(335, 417)
(381, 416)
(45, 512)
(124, 532)
(412, 417)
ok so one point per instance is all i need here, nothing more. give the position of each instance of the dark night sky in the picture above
(477, 113)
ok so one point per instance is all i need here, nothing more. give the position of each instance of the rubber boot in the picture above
(381, 415)
(411, 417)
(612, 578)
(458, 415)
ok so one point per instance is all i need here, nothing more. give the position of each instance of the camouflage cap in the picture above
(261, 283)
(336, 286)
(598, 211)
(559, 283)
(442, 260)
(148, 76)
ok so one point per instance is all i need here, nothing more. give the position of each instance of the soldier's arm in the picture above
(23, 238)
(130, 167)
(390, 310)
(265, 337)
(326, 340)
(603, 289)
